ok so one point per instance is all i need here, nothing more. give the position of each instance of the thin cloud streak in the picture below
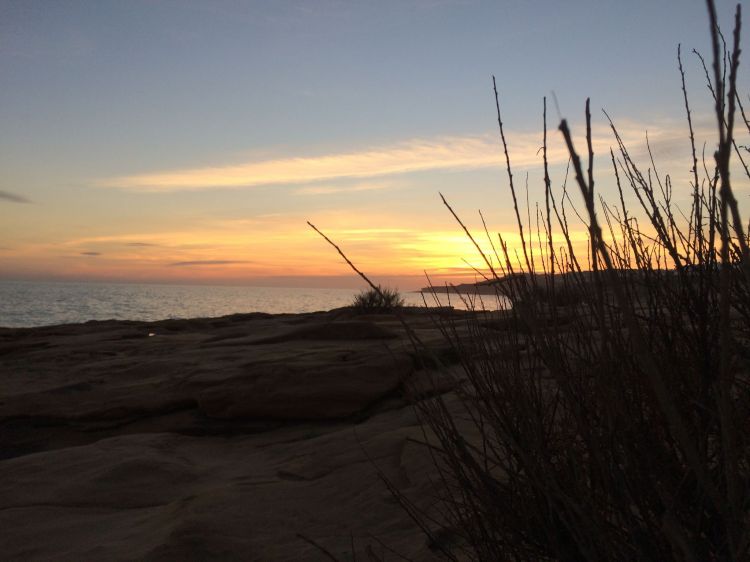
(205, 262)
(419, 155)
(411, 156)
(330, 190)
(13, 197)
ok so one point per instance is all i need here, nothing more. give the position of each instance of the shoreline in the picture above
(343, 310)
(37, 304)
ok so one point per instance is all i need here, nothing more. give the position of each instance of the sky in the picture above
(191, 141)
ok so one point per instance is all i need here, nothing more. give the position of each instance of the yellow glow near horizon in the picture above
(230, 253)
(382, 239)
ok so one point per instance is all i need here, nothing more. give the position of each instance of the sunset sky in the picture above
(190, 141)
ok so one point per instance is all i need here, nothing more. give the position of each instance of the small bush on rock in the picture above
(383, 299)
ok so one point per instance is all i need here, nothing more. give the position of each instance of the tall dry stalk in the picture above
(608, 411)
(605, 415)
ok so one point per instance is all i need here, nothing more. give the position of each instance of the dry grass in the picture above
(613, 425)
(377, 300)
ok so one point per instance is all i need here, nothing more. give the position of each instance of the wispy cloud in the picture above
(356, 188)
(205, 262)
(411, 156)
(418, 155)
(91, 253)
(141, 244)
(13, 197)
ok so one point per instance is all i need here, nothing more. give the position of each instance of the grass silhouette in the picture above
(613, 426)
(382, 299)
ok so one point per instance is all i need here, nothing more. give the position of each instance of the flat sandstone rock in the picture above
(235, 438)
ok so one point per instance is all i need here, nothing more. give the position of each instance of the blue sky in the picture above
(145, 134)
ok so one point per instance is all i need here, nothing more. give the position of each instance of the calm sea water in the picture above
(26, 304)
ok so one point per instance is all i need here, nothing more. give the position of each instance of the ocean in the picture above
(27, 304)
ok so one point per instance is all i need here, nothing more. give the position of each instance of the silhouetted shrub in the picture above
(378, 300)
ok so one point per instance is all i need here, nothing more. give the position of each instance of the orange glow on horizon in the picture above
(232, 253)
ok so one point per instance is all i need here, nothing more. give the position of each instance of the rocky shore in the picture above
(246, 437)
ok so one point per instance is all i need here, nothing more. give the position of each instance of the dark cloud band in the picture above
(12, 197)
